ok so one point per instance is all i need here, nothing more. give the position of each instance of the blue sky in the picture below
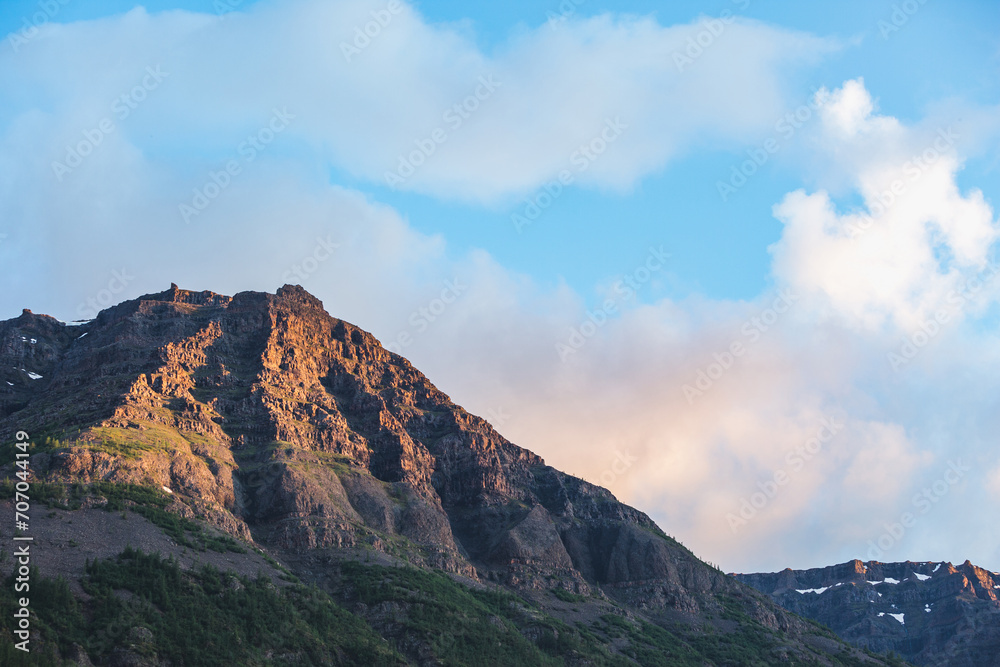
(876, 86)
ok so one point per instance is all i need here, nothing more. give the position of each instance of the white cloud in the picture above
(917, 239)
(542, 96)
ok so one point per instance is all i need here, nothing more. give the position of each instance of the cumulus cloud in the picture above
(916, 242)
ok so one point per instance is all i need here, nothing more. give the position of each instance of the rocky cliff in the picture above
(930, 613)
(298, 433)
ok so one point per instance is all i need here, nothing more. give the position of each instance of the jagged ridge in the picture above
(930, 613)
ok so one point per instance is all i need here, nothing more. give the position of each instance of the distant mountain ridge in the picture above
(262, 419)
(930, 613)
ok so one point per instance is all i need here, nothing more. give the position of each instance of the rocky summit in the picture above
(248, 480)
(930, 613)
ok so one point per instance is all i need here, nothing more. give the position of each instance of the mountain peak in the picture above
(298, 432)
(298, 294)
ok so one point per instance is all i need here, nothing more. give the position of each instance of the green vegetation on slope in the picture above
(146, 501)
(463, 626)
(9, 449)
(152, 607)
(204, 618)
(470, 626)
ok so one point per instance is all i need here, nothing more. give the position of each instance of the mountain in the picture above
(930, 613)
(312, 498)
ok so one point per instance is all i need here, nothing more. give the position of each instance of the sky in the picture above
(735, 261)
